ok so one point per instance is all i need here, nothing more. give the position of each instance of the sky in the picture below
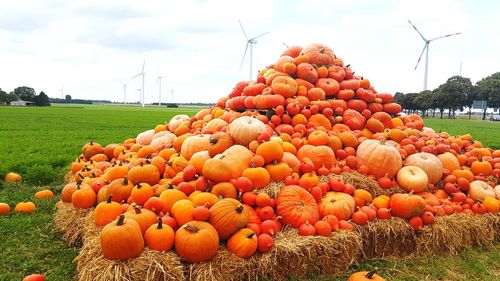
(88, 48)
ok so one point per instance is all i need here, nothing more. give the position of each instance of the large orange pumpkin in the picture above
(228, 216)
(321, 155)
(381, 158)
(406, 205)
(194, 144)
(318, 54)
(449, 161)
(196, 241)
(122, 239)
(296, 206)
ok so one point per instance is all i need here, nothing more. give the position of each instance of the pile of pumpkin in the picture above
(195, 182)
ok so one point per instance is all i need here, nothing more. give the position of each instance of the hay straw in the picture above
(150, 265)
(387, 238)
(90, 229)
(292, 256)
(496, 226)
(272, 188)
(361, 181)
(69, 177)
(69, 221)
(450, 234)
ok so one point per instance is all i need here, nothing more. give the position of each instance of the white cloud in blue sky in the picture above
(90, 47)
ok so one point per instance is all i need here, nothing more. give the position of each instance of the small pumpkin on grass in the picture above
(44, 194)
(121, 239)
(12, 177)
(4, 209)
(365, 276)
(25, 207)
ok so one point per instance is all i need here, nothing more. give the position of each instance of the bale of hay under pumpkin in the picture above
(69, 221)
(496, 226)
(292, 256)
(450, 234)
(90, 229)
(387, 238)
(364, 182)
(149, 265)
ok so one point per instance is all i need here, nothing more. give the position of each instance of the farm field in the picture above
(39, 143)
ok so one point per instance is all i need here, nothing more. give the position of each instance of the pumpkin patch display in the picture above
(307, 151)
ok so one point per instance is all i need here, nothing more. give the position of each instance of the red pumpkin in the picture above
(406, 205)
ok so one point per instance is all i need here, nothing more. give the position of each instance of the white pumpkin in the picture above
(497, 191)
(431, 165)
(176, 121)
(245, 129)
(145, 138)
(478, 190)
(162, 142)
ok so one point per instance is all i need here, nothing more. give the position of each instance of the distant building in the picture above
(22, 103)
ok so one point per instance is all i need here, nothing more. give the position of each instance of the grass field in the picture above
(39, 143)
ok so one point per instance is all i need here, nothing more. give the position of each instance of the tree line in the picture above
(456, 94)
(26, 94)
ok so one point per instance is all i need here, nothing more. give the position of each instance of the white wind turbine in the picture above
(158, 81)
(426, 49)
(143, 74)
(252, 41)
(124, 92)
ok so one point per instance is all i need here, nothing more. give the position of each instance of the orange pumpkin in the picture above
(406, 205)
(320, 155)
(449, 161)
(121, 240)
(182, 211)
(429, 163)
(144, 174)
(219, 142)
(270, 151)
(381, 158)
(194, 144)
(228, 216)
(339, 204)
(196, 241)
(296, 206)
(318, 54)
(243, 243)
(144, 217)
(169, 197)
(106, 212)
(285, 86)
(159, 237)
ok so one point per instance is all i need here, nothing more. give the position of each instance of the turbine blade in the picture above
(417, 30)
(143, 64)
(242, 29)
(259, 35)
(244, 54)
(137, 75)
(447, 35)
(421, 54)
(284, 44)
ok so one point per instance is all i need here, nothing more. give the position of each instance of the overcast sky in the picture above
(91, 47)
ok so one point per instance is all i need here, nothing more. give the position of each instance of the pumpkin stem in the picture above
(142, 164)
(138, 185)
(160, 223)
(121, 218)
(239, 209)
(125, 180)
(79, 182)
(137, 208)
(275, 162)
(91, 142)
(251, 235)
(109, 199)
(191, 228)
(370, 274)
(214, 140)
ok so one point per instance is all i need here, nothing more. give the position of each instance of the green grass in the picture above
(487, 132)
(39, 143)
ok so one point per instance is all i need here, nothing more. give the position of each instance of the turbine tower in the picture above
(124, 92)
(142, 73)
(159, 89)
(426, 49)
(250, 42)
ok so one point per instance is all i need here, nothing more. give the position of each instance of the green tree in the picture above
(67, 97)
(456, 93)
(439, 100)
(423, 101)
(25, 93)
(42, 99)
(489, 89)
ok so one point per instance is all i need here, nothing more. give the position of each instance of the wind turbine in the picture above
(252, 41)
(426, 49)
(62, 92)
(124, 92)
(143, 74)
(159, 89)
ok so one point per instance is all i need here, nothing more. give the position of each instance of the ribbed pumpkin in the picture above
(120, 189)
(245, 129)
(430, 163)
(182, 211)
(106, 212)
(243, 243)
(169, 197)
(365, 276)
(380, 158)
(44, 194)
(12, 177)
(228, 216)
(144, 174)
(296, 206)
(122, 239)
(196, 241)
(449, 161)
(318, 54)
(321, 155)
